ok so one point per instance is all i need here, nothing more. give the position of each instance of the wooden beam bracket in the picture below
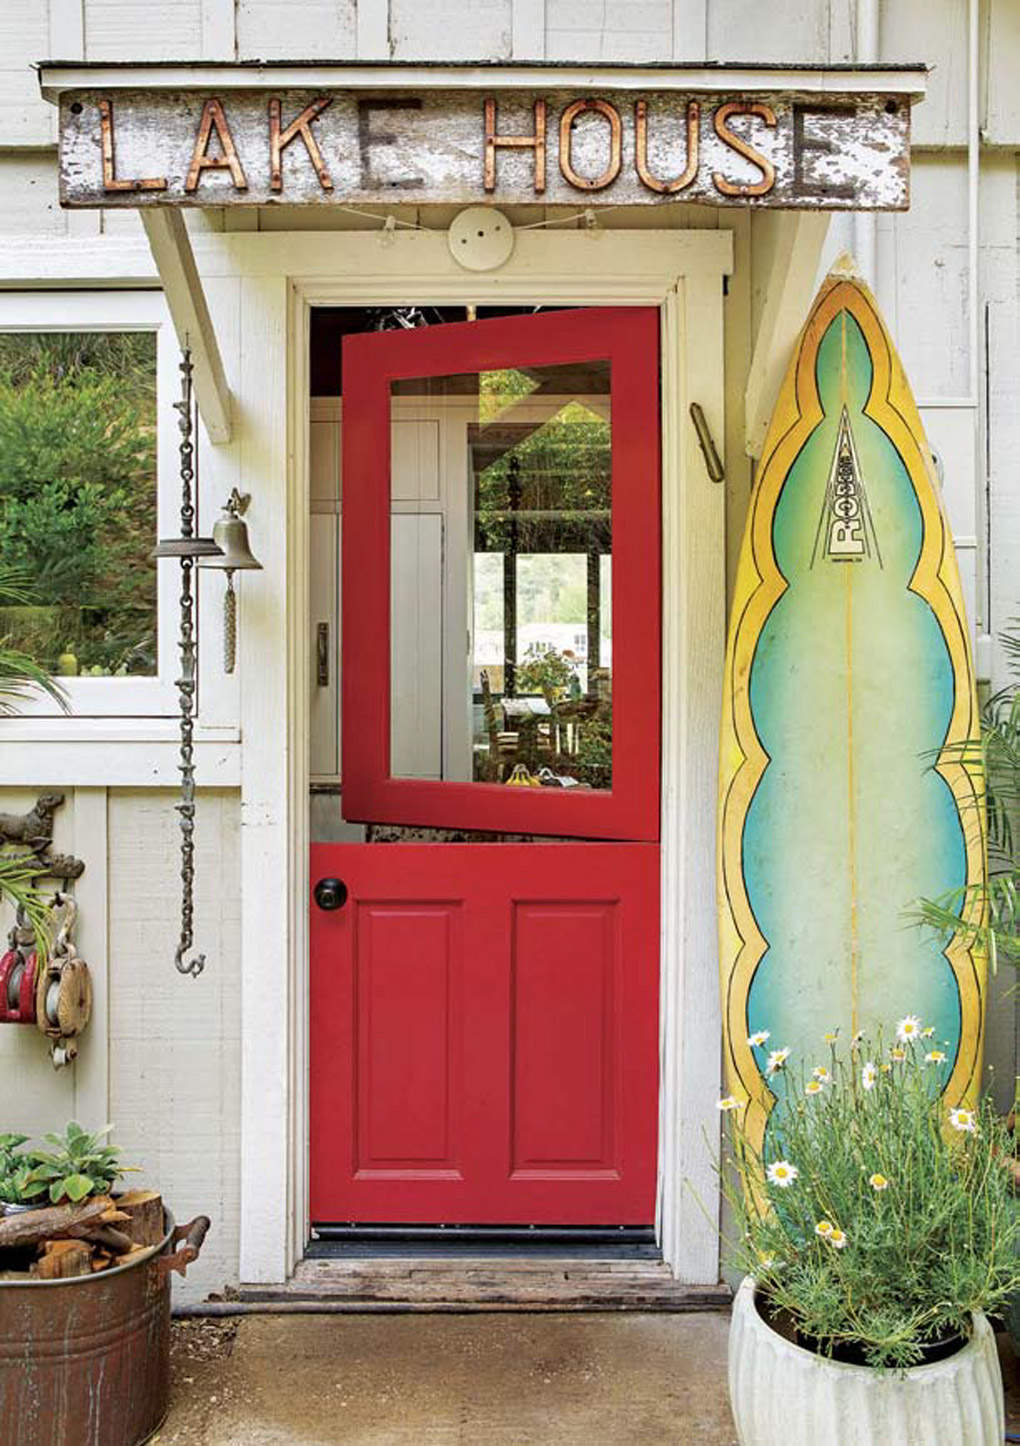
(182, 285)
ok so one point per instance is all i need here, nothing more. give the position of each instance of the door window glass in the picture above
(501, 610)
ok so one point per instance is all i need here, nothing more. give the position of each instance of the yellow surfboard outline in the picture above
(742, 760)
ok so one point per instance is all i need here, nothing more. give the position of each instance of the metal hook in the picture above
(194, 968)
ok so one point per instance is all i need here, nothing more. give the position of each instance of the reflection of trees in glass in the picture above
(78, 495)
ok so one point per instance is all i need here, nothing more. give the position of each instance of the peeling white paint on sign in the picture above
(794, 149)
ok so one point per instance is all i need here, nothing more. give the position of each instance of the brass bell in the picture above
(230, 533)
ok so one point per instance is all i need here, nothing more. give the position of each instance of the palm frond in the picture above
(19, 876)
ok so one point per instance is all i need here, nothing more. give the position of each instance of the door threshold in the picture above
(524, 1281)
(333, 1241)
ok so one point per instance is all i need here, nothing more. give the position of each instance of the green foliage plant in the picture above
(77, 1165)
(16, 1185)
(548, 672)
(875, 1220)
(988, 915)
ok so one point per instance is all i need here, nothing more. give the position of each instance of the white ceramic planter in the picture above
(783, 1395)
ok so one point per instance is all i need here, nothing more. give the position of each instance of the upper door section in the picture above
(501, 596)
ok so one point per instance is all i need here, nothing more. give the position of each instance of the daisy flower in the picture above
(831, 1037)
(878, 1182)
(729, 1102)
(758, 1037)
(782, 1173)
(897, 1054)
(813, 1087)
(963, 1120)
(935, 1056)
(777, 1059)
(869, 1075)
(837, 1238)
(824, 1228)
(821, 1074)
(927, 1033)
(908, 1028)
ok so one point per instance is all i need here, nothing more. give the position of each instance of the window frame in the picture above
(135, 310)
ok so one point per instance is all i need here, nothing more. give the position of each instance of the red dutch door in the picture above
(485, 1014)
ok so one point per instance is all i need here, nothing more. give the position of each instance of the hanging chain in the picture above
(186, 682)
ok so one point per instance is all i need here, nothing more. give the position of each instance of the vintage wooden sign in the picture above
(253, 147)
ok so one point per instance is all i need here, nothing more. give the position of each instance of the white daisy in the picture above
(821, 1074)
(777, 1059)
(757, 1038)
(908, 1028)
(782, 1173)
(928, 1032)
(836, 1238)
(963, 1120)
(869, 1075)
(730, 1102)
(831, 1036)
(813, 1087)
(935, 1056)
(878, 1182)
(824, 1228)
(897, 1054)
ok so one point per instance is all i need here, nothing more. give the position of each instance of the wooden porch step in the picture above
(524, 1283)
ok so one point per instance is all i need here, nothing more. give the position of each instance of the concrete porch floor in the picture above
(451, 1380)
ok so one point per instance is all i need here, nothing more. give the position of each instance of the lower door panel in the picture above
(484, 1034)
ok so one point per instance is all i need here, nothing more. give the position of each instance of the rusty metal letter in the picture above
(280, 140)
(201, 160)
(612, 115)
(535, 142)
(666, 188)
(738, 144)
(110, 182)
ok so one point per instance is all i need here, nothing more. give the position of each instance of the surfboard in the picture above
(845, 790)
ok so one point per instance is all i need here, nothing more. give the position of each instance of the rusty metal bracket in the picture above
(32, 833)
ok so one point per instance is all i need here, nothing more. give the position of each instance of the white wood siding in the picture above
(317, 29)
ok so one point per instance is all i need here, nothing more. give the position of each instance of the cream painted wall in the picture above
(166, 1061)
(161, 1062)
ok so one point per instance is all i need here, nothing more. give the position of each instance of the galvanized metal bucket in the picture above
(86, 1361)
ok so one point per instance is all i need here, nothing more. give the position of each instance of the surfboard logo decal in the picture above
(846, 529)
(843, 683)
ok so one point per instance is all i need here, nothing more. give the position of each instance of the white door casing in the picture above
(681, 272)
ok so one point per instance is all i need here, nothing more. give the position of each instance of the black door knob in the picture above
(330, 894)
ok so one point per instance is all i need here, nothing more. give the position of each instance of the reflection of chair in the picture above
(502, 743)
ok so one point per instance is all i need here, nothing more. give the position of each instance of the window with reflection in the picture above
(526, 541)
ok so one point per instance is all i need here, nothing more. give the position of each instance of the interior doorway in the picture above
(484, 998)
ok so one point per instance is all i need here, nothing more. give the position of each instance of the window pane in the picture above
(519, 557)
(78, 499)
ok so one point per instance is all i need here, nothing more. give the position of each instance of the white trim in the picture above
(55, 78)
(91, 893)
(646, 268)
(82, 763)
(35, 311)
(693, 642)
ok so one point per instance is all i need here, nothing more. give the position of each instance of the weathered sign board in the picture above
(254, 147)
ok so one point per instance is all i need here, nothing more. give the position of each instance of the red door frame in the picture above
(628, 338)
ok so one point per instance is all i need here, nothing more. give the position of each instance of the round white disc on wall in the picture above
(481, 238)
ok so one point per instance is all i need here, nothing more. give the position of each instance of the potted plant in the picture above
(18, 1191)
(877, 1233)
